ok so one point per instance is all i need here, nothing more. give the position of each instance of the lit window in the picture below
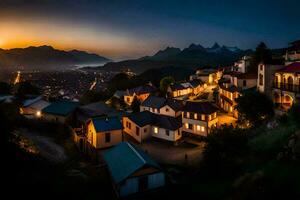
(155, 130)
(195, 116)
(186, 125)
(203, 117)
(198, 127)
(188, 115)
(202, 128)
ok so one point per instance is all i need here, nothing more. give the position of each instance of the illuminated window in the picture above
(198, 127)
(203, 117)
(195, 116)
(186, 125)
(188, 115)
(202, 128)
(155, 130)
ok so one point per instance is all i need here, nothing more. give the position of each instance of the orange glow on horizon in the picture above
(64, 36)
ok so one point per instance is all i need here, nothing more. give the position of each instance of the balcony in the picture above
(287, 87)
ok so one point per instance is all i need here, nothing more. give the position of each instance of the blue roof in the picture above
(107, 124)
(63, 108)
(125, 159)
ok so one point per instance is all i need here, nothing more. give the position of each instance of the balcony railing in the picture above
(287, 87)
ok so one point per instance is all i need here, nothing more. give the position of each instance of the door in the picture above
(143, 183)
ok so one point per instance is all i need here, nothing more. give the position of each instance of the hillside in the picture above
(45, 57)
(192, 57)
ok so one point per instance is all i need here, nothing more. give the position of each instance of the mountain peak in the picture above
(216, 46)
(195, 47)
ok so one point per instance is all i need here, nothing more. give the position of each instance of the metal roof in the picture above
(125, 159)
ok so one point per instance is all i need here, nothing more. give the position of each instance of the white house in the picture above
(144, 125)
(162, 106)
(132, 170)
(198, 118)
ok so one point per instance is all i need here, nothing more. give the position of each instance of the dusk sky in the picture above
(133, 28)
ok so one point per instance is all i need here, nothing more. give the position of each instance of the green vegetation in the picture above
(93, 96)
(254, 107)
(261, 54)
(135, 105)
(165, 83)
(260, 162)
(26, 88)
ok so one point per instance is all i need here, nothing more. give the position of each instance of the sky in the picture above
(122, 29)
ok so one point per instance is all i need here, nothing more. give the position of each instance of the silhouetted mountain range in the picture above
(46, 57)
(194, 56)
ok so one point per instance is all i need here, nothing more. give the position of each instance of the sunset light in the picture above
(150, 99)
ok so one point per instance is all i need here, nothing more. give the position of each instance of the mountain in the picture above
(45, 57)
(166, 53)
(194, 56)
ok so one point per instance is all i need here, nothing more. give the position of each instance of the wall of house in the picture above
(55, 118)
(144, 133)
(268, 73)
(131, 185)
(115, 138)
(249, 83)
(162, 134)
(153, 110)
(167, 110)
(196, 124)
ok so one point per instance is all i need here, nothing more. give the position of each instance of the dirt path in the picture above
(47, 147)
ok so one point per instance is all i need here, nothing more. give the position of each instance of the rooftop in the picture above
(62, 108)
(200, 107)
(154, 102)
(125, 159)
(292, 68)
(107, 124)
(147, 118)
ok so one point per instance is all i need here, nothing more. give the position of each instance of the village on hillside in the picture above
(140, 137)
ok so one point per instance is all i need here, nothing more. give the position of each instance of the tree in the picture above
(135, 105)
(254, 107)
(224, 148)
(26, 88)
(93, 96)
(5, 88)
(165, 83)
(261, 54)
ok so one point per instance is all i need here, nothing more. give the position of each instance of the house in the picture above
(286, 87)
(171, 108)
(32, 108)
(230, 90)
(265, 77)
(141, 93)
(162, 106)
(242, 65)
(97, 109)
(227, 95)
(152, 104)
(293, 53)
(198, 118)
(59, 111)
(144, 125)
(208, 76)
(104, 132)
(193, 87)
(132, 170)
(179, 89)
